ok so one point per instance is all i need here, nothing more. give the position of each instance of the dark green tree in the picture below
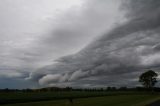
(148, 79)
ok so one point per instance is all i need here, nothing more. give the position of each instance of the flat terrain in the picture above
(156, 103)
(79, 99)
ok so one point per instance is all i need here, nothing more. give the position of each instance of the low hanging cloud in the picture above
(117, 57)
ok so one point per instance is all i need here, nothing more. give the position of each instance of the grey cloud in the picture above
(70, 31)
(29, 40)
(124, 42)
(122, 54)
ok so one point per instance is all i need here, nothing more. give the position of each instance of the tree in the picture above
(148, 79)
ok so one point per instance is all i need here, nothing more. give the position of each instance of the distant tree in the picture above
(148, 79)
(123, 88)
(108, 88)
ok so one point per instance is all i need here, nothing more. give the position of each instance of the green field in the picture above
(79, 99)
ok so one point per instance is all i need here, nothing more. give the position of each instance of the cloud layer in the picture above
(117, 57)
(34, 33)
(82, 43)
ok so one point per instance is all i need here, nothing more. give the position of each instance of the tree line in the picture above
(148, 79)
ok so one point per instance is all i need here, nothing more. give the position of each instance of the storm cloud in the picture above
(117, 57)
(35, 33)
(82, 43)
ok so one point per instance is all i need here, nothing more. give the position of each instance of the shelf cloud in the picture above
(122, 53)
(88, 43)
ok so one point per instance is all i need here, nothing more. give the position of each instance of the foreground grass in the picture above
(112, 100)
(23, 97)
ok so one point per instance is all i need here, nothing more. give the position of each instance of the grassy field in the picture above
(20, 97)
(119, 100)
(79, 99)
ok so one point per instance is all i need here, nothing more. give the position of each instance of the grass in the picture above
(21, 97)
(110, 100)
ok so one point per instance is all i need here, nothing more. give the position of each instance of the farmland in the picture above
(83, 98)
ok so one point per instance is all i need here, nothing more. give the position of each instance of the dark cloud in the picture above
(32, 36)
(122, 42)
(116, 58)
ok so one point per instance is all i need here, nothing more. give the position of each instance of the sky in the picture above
(78, 43)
